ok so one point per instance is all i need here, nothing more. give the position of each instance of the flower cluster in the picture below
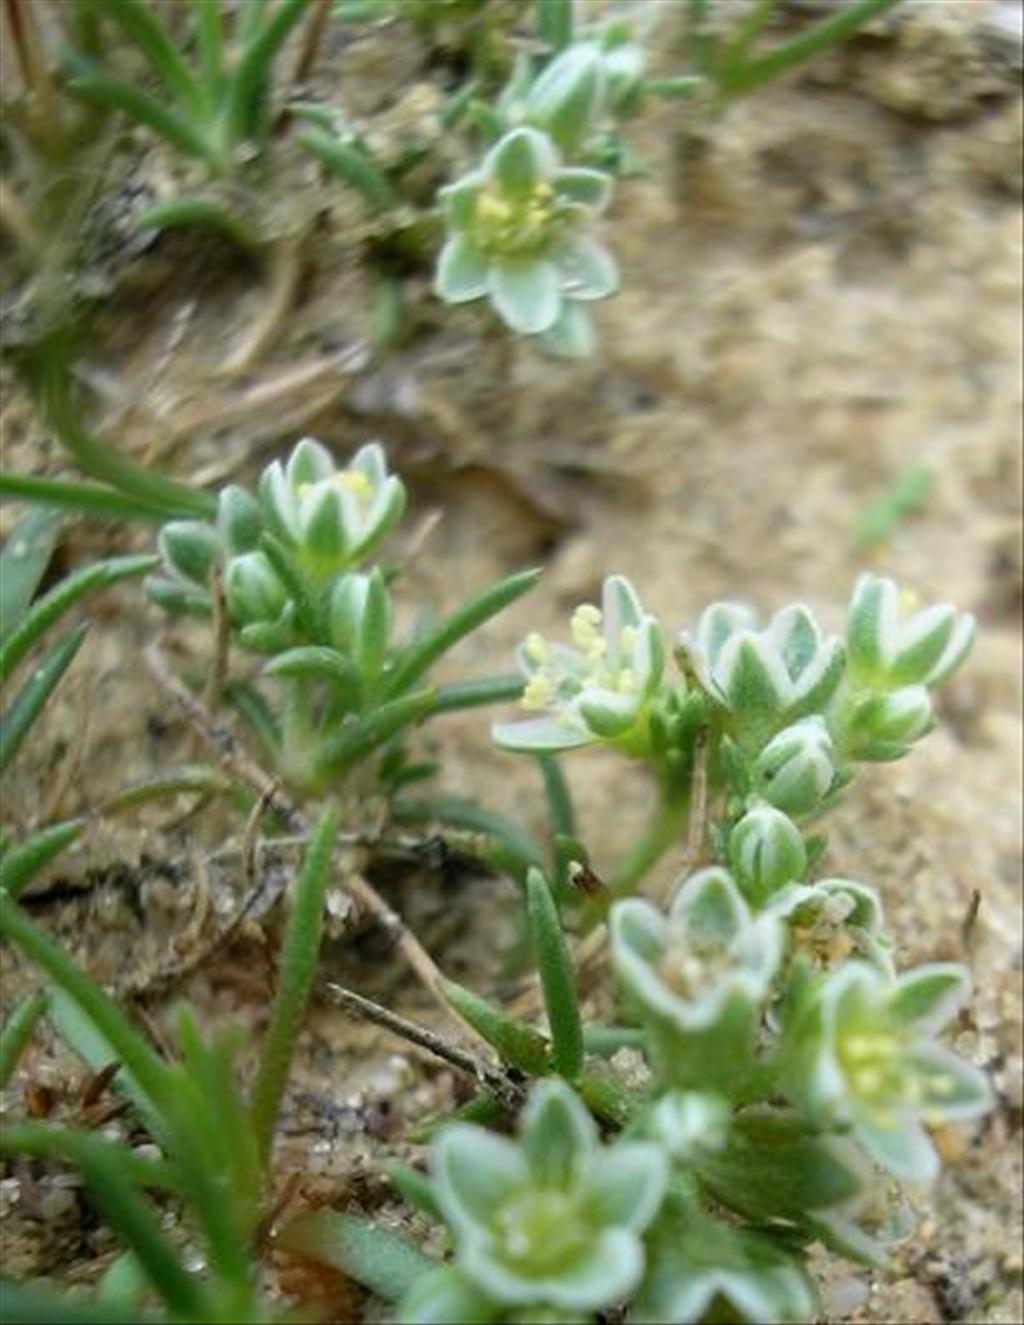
(553, 1224)
(521, 237)
(311, 519)
(598, 690)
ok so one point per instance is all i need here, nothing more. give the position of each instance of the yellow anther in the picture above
(494, 210)
(535, 648)
(869, 1046)
(625, 682)
(355, 481)
(909, 601)
(868, 1081)
(538, 692)
(585, 627)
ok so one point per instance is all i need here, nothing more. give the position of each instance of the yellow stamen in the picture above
(535, 648)
(538, 692)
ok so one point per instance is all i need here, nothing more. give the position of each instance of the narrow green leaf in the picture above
(482, 1109)
(359, 739)
(20, 1305)
(188, 780)
(144, 30)
(28, 703)
(248, 88)
(100, 461)
(374, 1256)
(88, 498)
(256, 713)
(18, 1031)
(50, 608)
(23, 564)
(469, 617)
(48, 1141)
(20, 865)
(210, 36)
(101, 90)
(306, 608)
(299, 956)
(79, 1031)
(354, 166)
(604, 1041)
(129, 1047)
(107, 1169)
(516, 1043)
(478, 692)
(820, 37)
(415, 1188)
(513, 852)
(318, 662)
(202, 212)
(554, 23)
(556, 976)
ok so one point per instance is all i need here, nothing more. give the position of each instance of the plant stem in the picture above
(665, 828)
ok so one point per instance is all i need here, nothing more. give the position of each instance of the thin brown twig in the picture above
(311, 39)
(221, 740)
(242, 766)
(509, 1092)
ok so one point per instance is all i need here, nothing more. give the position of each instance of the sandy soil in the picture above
(821, 289)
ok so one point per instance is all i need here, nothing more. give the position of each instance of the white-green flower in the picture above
(769, 676)
(832, 920)
(555, 1219)
(892, 645)
(702, 1269)
(601, 688)
(868, 1059)
(519, 236)
(331, 517)
(688, 970)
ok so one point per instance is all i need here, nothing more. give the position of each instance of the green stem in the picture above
(664, 830)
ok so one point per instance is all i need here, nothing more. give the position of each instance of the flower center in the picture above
(541, 1232)
(692, 963)
(512, 227)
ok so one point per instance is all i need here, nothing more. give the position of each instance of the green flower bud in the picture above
(766, 850)
(190, 548)
(568, 99)
(882, 727)
(890, 646)
(239, 521)
(795, 770)
(254, 593)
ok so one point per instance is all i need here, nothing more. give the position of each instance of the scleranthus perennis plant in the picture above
(290, 561)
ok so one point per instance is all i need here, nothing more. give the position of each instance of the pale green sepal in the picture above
(521, 160)
(928, 997)
(446, 1296)
(589, 188)
(526, 293)
(462, 271)
(475, 1172)
(627, 1186)
(572, 336)
(539, 735)
(559, 1135)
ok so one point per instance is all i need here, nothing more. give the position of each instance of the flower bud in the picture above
(190, 547)
(568, 98)
(882, 726)
(797, 768)
(254, 592)
(239, 522)
(767, 851)
(887, 646)
(689, 1123)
